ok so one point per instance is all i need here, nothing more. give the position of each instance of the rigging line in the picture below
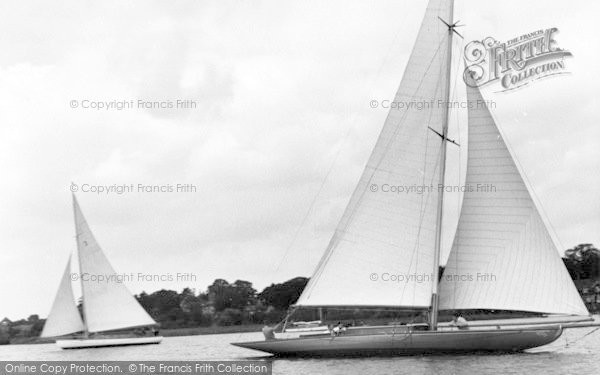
(329, 251)
(423, 207)
(456, 236)
(389, 52)
(338, 152)
(422, 211)
(582, 337)
(314, 200)
(395, 132)
(536, 199)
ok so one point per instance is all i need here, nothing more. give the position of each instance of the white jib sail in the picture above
(502, 256)
(381, 253)
(64, 317)
(107, 305)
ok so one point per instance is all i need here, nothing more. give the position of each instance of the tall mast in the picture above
(433, 319)
(85, 331)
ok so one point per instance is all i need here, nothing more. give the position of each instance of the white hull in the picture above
(105, 342)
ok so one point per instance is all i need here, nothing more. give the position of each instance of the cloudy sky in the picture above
(281, 130)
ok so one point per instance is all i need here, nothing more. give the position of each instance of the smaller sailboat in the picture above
(111, 316)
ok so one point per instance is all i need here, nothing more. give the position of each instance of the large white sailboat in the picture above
(109, 309)
(500, 232)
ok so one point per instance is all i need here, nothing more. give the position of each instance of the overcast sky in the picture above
(282, 91)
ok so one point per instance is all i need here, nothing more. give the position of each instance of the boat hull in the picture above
(106, 342)
(418, 342)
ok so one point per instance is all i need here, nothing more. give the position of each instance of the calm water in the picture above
(578, 357)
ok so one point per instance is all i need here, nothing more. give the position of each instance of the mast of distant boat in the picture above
(85, 332)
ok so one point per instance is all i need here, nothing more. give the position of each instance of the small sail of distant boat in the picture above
(64, 316)
(107, 306)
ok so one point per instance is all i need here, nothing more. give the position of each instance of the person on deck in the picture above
(269, 332)
(459, 322)
(337, 329)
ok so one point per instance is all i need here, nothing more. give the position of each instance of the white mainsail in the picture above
(64, 316)
(385, 235)
(107, 305)
(502, 256)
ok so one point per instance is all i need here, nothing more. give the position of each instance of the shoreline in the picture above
(166, 332)
(217, 330)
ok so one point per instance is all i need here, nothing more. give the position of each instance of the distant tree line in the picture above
(583, 262)
(223, 304)
(30, 327)
(238, 303)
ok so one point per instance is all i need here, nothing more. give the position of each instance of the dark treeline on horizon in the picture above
(238, 303)
(223, 304)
